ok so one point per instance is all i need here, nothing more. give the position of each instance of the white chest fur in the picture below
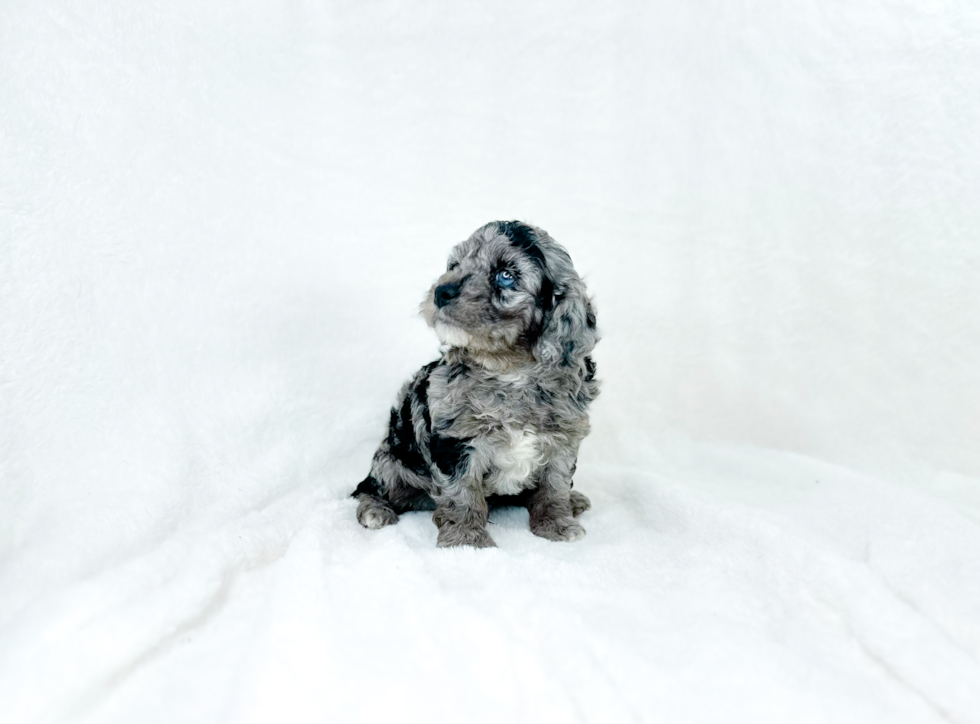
(515, 459)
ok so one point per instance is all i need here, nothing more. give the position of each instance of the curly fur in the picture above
(498, 419)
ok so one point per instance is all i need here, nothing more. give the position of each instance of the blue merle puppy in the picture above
(499, 418)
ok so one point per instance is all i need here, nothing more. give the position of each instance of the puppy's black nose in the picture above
(445, 293)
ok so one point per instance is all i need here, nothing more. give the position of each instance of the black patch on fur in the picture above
(590, 317)
(543, 396)
(368, 486)
(521, 500)
(458, 369)
(405, 417)
(522, 236)
(401, 439)
(394, 429)
(530, 337)
(450, 454)
(590, 368)
(422, 393)
(411, 458)
(546, 294)
(404, 498)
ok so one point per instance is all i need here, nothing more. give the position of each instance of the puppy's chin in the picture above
(452, 335)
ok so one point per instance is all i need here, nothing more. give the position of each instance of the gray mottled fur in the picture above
(499, 418)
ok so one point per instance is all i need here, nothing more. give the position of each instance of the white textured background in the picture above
(217, 221)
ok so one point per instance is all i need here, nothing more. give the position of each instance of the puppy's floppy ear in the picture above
(568, 332)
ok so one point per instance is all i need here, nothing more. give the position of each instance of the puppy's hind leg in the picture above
(373, 509)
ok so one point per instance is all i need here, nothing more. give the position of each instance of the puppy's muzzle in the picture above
(445, 293)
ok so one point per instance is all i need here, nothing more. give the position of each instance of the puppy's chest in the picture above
(510, 420)
(511, 401)
(515, 455)
(514, 433)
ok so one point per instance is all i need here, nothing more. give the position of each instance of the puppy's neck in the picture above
(503, 361)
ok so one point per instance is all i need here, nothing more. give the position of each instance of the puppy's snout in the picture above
(445, 293)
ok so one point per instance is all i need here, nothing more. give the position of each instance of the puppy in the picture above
(498, 419)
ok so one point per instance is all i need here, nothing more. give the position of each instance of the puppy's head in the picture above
(510, 288)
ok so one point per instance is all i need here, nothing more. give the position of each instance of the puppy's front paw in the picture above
(558, 529)
(579, 503)
(459, 535)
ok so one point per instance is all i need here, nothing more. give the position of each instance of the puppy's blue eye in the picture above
(505, 280)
